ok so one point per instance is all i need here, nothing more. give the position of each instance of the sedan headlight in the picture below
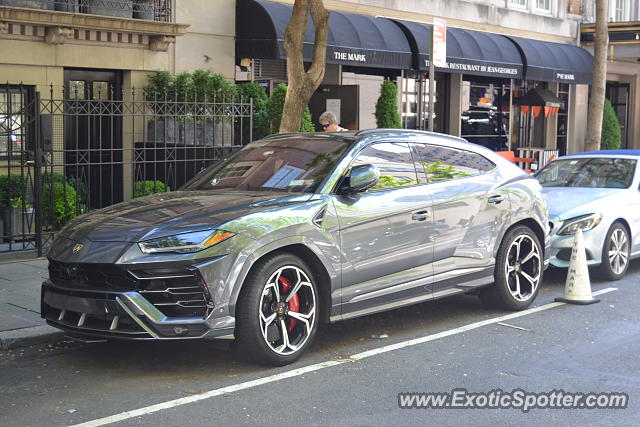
(185, 243)
(584, 223)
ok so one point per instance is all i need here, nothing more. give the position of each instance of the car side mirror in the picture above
(360, 178)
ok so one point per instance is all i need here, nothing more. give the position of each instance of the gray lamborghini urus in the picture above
(295, 230)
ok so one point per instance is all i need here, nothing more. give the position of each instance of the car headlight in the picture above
(185, 243)
(584, 223)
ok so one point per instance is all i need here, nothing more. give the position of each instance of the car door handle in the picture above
(420, 216)
(495, 200)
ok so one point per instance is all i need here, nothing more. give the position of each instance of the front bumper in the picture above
(561, 246)
(121, 315)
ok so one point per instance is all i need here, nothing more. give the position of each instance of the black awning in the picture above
(468, 52)
(539, 97)
(358, 40)
(555, 62)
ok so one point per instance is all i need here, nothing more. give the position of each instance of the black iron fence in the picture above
(155, 10)
(70, 152)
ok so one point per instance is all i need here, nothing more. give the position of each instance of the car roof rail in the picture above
(409, 131)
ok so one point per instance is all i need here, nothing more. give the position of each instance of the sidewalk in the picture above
(20, 322)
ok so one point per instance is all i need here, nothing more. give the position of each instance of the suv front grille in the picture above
(175, 291)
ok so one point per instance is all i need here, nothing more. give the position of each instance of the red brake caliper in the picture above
(294, 302)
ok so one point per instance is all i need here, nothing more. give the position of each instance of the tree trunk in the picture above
(596, 101)
(303, 83)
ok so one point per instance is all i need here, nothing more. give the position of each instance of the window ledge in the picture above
(49, 18)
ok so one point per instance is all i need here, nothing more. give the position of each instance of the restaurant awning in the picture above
(555, 62)
(539, 97)
(353, 39)
(468, 52)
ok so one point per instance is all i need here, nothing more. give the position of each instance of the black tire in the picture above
(608, 269)
(256, 339)
(517, 283)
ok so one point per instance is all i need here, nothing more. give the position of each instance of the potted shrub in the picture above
(118, 8)
(19, 220)
(13, 189)
(30, 4)
(387, 113)
(144, 9)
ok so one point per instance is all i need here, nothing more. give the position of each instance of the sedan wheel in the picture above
(615, 253)
(518, 271)
(276, 316)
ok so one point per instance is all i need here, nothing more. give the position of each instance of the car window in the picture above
(445, 163)
(295, 164)
(588, 172)
(394, 162)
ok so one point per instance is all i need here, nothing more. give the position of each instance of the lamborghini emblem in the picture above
(77, 248)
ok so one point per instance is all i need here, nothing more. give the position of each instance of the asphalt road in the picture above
(591, 348)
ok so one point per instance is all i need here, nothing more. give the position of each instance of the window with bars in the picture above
(518, 3)
(12, 121)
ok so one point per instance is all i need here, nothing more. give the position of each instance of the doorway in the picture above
(340, 100)
(93, 135)
(618, 94)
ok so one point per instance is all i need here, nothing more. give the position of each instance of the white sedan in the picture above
(597, 192)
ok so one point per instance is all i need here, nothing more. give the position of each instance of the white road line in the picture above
(316, 367)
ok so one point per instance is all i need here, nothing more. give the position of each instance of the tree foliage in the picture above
(611, 133)
(387, 114)
(261, 127)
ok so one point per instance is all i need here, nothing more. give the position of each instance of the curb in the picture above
(29, 336)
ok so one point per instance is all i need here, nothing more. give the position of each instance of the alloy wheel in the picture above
(287, 310)
(523, 267)
(618, 251)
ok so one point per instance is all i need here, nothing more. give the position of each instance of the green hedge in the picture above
(144, 188)
(11, 187)
(58, 203)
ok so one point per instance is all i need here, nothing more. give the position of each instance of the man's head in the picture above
(328, 121)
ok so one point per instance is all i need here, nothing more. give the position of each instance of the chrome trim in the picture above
(114, 323)
(401, 287)
(136, 318)
(154, 315)
(179, 276)
(83, 318)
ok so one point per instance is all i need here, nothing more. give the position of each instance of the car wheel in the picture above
(518, 271)
(276, 315)
(615, 253)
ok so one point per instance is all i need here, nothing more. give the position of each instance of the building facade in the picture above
(497, 52)
(623, 63)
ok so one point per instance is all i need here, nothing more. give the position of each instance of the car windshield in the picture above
(588, 172)
(292, 164)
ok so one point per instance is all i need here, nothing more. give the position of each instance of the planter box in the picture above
(67, 6)
(205, 133)
(118, 8)
(162, 131)
(19, 224)
(144, 10)
(30, 4)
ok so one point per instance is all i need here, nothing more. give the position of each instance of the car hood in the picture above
(568, 202)
(166, 214)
